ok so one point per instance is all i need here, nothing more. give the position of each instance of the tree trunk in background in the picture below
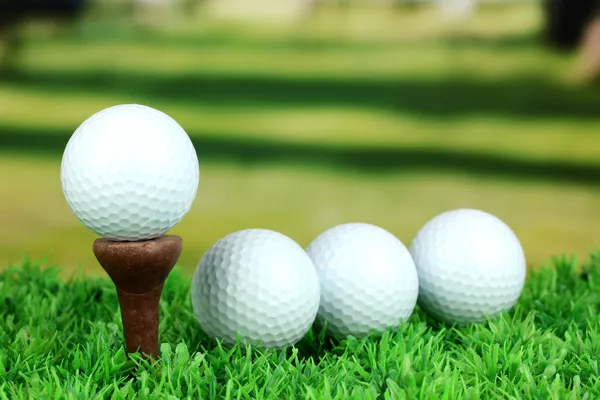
(566, 21)
(590, 52)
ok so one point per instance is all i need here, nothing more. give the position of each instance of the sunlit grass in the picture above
(490, 53)
(334, 43)
(300, 203)
(425, 59)
(537, 139)
(484, 64)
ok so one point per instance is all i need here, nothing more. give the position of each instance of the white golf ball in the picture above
(471, 266)
(129, 172)
(258, 284)
(368, 279)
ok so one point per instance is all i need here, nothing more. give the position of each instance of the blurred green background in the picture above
(304, 119)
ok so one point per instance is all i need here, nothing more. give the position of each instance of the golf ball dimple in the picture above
(471, 266)
(258, 284)
(129, 172)
(368, 279)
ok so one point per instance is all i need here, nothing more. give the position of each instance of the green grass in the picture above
(361, 115)
(63, 340)
(300, 202)
(487, 86)
(353, 115)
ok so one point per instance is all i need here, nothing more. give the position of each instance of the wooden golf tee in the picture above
(139, 271)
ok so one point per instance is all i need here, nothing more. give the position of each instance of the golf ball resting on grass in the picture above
(368, 279)
(129, 173)
(259, 284)
(471, 266)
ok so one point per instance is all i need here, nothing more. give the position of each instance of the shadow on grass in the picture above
(254, 152)
(518, 42)
(454, 97)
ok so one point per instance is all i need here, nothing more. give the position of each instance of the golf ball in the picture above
(368, 279)
(258, 284)
(129, 172)
(471, 266)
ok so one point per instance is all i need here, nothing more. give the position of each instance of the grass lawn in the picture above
(485, 86)
(364, 115)
(300, 202)
(420, 82)
(63, 340)
(361, 115)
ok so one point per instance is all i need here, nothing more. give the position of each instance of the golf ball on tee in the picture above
(258, 284)
(368, 279)
(129, 172)
(471, 266)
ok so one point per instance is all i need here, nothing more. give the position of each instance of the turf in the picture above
(62, 339)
